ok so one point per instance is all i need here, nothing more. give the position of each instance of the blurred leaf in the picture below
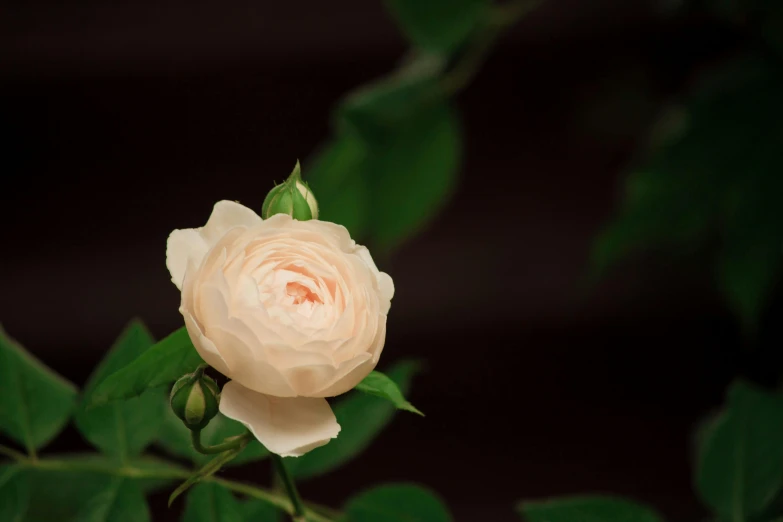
(587, 509)
(413, 170)
(439, 25)
(36, 402)
(174, 437)
(741, 460)
(14, 493)
(382, 386)
(362, 418)
(213, 503)
(58, 495)
(397, 503)
(336, 177)
(162, 364)
(122, 429)
(119, 501)
(719, 177)
(374, 111)
(260, 511)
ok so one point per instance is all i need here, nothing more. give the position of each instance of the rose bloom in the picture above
(291, 311)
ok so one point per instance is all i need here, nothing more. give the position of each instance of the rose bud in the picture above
(194, 399)
(293, 197)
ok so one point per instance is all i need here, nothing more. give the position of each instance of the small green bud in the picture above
(194, 399)
(292, 197)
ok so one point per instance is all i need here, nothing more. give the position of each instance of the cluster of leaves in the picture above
(712, 181)
(738, 471)
(123, 410)
(394, 156)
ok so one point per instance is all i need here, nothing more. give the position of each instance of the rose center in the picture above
(301, 294)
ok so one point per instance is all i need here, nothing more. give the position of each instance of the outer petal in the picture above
(225, 216)
(289, 427)
(183, 247)
(385, 283)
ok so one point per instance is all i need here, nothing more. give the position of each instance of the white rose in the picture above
(291, 311)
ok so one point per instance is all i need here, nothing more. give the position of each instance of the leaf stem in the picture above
(499, 20)
(12, 453)
(312, 512)
(228, 444)
(290, 487)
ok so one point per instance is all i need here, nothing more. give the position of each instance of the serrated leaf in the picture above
(397, 503)
(163, 363)
(439, 25)
(213, 503)
(120, 500)
(382, 386)
(14, 493)
(362, 418)
(122, 429)
(587, 509)
(37, 402)
(174, 437)
(741, 461)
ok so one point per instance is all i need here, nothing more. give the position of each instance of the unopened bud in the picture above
(292, 197)
(194, 399)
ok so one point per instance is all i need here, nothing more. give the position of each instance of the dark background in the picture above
(122, 121)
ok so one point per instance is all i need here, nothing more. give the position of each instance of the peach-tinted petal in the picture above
(249, 370)
(225, 216)
(289, 427)
(205, 347)
(348, 375)
(183, 247)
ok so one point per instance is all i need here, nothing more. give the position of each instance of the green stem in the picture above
(226, 445)
(311, 514)
(499, 20)
(12, 453)
(290, 487)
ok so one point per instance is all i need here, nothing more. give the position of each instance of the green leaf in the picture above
(414, 170)
(36, 403)
(174, 437)
(119, 501)
(58, 495)
(213, 503)
(741, 461)
(260, 511)
(362, 418)
(122, 429)
(335, 176)
(162, 364)
(397, 503)
(382, 386)
(587, 509)
(14, 493)
(439, 25)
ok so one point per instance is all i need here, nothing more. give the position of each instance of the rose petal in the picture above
(205, 348)
(347, 376)
(225, 216)
(183, 247)
(289, 427)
